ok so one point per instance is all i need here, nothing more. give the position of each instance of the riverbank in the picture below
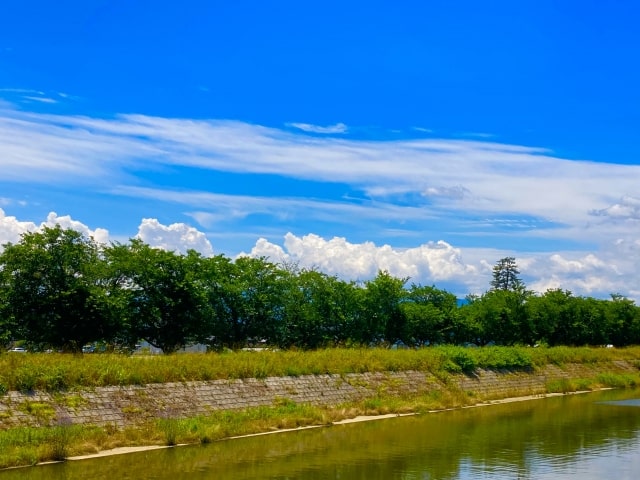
(347, 421)
(40, 425)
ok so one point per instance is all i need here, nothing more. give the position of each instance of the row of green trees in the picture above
(62, 290)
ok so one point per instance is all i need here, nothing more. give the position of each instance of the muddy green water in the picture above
(590, 436)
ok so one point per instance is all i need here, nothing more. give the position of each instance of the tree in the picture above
(504, 317)
(53, 290)
(550, 313)
(259, 285)
(623, 321)
(383, 318)
(430, 315)
(318, 310)
(217, 275)
(505, 275)
(166, 304)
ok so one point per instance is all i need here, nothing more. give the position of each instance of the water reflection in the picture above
(631, 402)
(585, 436)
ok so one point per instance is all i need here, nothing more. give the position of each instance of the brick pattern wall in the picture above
(121, 406)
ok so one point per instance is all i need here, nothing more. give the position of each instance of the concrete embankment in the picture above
(131, 405)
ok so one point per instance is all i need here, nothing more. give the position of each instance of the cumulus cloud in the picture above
(100, 235)
(429, 262)
(614, 269)
(463, 271)
(11, 229)
(178, 237)
(307, 127)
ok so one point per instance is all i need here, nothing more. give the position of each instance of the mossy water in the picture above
(575, 436)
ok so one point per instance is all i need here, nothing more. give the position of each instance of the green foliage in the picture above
(430, 315)
(505, 275)
(165, 303)
(60, 290)
(52, 290)
(382, 318)
(460, 359)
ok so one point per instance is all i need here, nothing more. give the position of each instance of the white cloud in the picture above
(100, 235)
(494, 178)
(11, 229)
(222, 207)
(175, 237)
(614, 269)
(422, 129)
(472, 177)
(307, 127)
(467, 270)
(40, 99)
(408, 181)
(627, 209)
(178, 237)
(456, 192)
(432, 261)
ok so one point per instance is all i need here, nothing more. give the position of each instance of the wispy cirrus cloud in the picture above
(442, 177)
(40, 99)
(24, 95)
(330, 129)
(217, 207)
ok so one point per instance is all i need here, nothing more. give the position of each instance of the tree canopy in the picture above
(61, 290)
(505, 275)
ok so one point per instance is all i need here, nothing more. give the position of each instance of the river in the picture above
(586, 436)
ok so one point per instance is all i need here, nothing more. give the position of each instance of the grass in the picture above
(57, 372)
(60, 372)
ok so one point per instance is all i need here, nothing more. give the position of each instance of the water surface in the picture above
(591, 436)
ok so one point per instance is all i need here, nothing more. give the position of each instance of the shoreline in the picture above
(346, 421)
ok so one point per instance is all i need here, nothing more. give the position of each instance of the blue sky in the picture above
(429, 139)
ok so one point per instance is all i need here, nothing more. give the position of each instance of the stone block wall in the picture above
(130, 405)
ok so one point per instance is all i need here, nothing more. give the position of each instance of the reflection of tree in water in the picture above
(501, 438)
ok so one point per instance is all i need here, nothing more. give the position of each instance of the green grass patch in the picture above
(561, 385)
(617, 380)
(43, 411)
(60, 372)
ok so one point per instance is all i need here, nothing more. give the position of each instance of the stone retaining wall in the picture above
(122, 406)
